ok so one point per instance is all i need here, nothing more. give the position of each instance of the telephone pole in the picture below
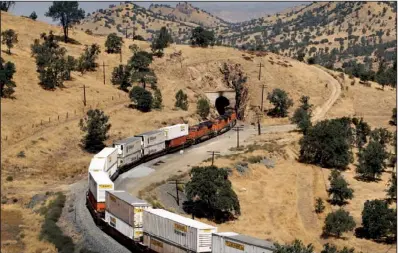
(258, 117)
(212, 155)
(103, 69)
(84, 94)
(121, 59)
(126, 31)
(262, 96)
(176, 182)
(237, 129)
(259, 73)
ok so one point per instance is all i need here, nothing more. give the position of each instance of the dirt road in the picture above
(146, 174)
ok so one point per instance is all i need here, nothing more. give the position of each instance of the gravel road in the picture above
(145, 174)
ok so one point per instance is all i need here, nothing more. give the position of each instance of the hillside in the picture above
(331, 32)
(40, 134)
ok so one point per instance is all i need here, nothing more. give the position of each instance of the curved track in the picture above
(147, 173)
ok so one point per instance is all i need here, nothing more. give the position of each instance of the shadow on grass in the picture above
(69, 40)
(361, 233)
(367, 179)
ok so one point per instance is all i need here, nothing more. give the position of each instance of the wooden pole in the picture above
(103, 69)
(259, 73)
(178, 199)
(84, 95)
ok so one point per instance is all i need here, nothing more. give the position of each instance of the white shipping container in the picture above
(97, 164)
(109, 155)
(175, 131)
(128, 146)
(126, 207)
(98, 183)
(230, 242)
(154, 148)
(152, 138)
(187, 233)
(160, 246)
(124, 228)
(129, 159)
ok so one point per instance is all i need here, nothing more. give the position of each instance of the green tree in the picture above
(121, 77)
(113, 44)
(157, 100)
(302, 115)
(96, 126)
(362, 131)
(319, 206)
(296, 247)
(338, 222)
(142, 98)
(280, 99)
(161, 41)
(7, 72)
(381, 135)
(329, 248)
(392, 189)
(371, 160)
(87, 59)
(68, 13)
(393, 120)
(203, 108)
(328, 144)
(10, 38)
(181, 100)
(140, 71)
(211, 186)
(339, 188)
(378, 220)
(5, 5)
(201, 37)
(33, 16)
(70, 65)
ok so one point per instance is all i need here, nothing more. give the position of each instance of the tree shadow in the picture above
(361, 233)
(336, 202)
(367, 179)
(325, 235)
(69, 40)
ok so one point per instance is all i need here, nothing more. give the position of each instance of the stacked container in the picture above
(152, 142)
(98, 183)
(129, 150)
(106, 159)
(125, 213)
(176, 135)
(230, 242)
(166, 232)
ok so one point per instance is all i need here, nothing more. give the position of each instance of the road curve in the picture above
(145, 174)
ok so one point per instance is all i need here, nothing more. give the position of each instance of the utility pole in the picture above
(121, 59)
(212, 156)
(176, 182)
(126, 31)
(259, 73)
(258, 117)
(103, 69)
(262, 96)
(237, 129)
(84, 94)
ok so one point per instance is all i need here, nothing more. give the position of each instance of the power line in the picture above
(237, 129)
(212, 155)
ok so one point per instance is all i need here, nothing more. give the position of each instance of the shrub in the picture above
(319, 206)
(181, 100)
(280, 99)
(302, 115)
(392, 189)
(7, 85)
(254, 159)
(371, 161)
(21, 154)
(203, 108)
(139, 64)
(157, 100)
(121, 77)
(338, 222)
(96, 127)
(89, 32)
(393, 120)
(113, 44)
(161, 41)
(339, 188)
(296, 247)
(33, 16)
(378, 220)
(138, 37)
(9, 178)
(87, 59)
(201, 37)
(142, 98)
(10, 38)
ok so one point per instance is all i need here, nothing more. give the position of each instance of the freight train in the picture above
(132, 221)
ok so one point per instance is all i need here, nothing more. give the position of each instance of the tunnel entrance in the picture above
(221, 103)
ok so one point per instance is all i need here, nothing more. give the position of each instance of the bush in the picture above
(10, 38)
(393, 120)
(296, 247)
(371, 161)
(89, 32)
(9, 178)
(96, 127)
(203, 108)
(157, 100)
(181, 100)
(338, 222)
(201, 37)
(121, 77)
(87, 60)
(142, 98)
(392, 189)
(33, 16)
(311, 60)
(328, 144)
(113, 44)
(139, 64)
(302, 115)
(138, 37)
(339, 188)
(255, 159)
(319, 206)
(378, 220)
(328, 248)
(21, 154)
(161, 41)
(7, 85)
(280, 99)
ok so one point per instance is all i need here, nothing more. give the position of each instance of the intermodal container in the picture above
(184, 232)
(177, 142)
(97, 164)
(161, 246)
(109, 156)
(127, 208)
(150, 150)
(129, 150)
(230, 242)
(151, 138)
(175, 131)
(99, 182)
(124, 228)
